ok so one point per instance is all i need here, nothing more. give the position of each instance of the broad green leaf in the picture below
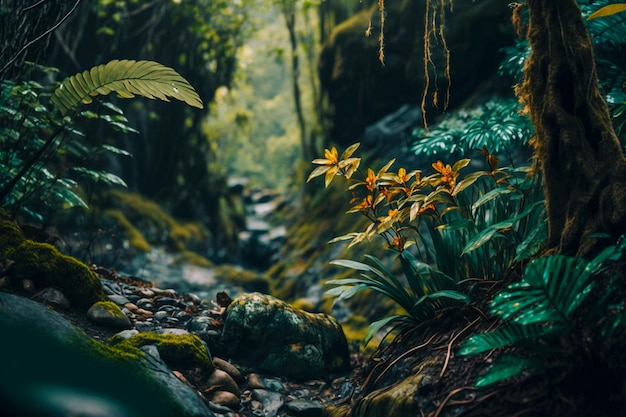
(376, 326)
(127, 78)
(510, 334)
(495, 193)
(533, 242)
(507, 366)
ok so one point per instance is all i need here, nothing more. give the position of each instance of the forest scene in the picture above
(312, 208)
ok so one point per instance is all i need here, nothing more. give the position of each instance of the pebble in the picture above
(304, 408)
(224, 381)
(120, 300)
(166, 312)
(55, 297)
(100, 314)
(229, 368)
(225, 398)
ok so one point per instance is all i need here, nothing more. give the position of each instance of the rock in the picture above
(77, 375)
(225, 398)
(269, 335)
(54, 297)
(229, 368)
(45, 266)
(125, 334)
(120, 300)
(272, 401)
(185, 350)
(107, 313)
(304, 408)
(257, 381)
(223, 381)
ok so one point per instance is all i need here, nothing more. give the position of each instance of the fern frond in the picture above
(127, 78)
(511, 334)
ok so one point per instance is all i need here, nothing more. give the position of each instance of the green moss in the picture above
(148, 215)
(242, 277)
(10, 235)
(193, 258)
(112, 308)
(134, 236)
(45, 265)
(336, 411)
(175, 349)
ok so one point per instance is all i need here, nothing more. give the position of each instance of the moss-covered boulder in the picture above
(107, 313)
(44, 265)
(271, 336)
(51, 368)
(10, 235)
(184, 350)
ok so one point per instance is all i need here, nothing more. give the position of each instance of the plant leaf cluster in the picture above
(540, 308)
(447, 228)
(44, 155)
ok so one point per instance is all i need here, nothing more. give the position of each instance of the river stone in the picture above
(56, 370)
(271, 336)
(107, 313)
(304, 408)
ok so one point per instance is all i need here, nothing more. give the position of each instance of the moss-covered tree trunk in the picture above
(578, 150)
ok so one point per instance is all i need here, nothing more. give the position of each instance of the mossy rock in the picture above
(193, 258)
(10, 235)
(155, 223)
(70, 373)
(43, 264)
(135, 238)
(186, 350)
(234, 275)
(107, 313)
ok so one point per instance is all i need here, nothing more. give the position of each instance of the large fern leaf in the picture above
(127, 78)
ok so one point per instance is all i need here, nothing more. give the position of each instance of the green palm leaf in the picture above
(127, 78)
(551, 290)
(510, 334)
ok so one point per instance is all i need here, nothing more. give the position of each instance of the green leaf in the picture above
(505, 367)
(491, 195)
(533, 242)
(376, 326)
(127, 78)
(510, 334)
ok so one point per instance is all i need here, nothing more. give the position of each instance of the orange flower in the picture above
(388, 192)
(370, 180)
(402, 177)
(398, 243)
(448, 176)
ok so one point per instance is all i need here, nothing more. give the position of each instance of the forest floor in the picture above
(581, 376)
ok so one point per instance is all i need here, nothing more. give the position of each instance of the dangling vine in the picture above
(434, 32)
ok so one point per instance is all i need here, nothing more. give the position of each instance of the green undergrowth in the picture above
(305, 259)
(144, 223)
(45, 266)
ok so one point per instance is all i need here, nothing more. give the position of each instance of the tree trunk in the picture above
(577, 148)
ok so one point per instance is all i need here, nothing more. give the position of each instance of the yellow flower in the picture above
(331, 155)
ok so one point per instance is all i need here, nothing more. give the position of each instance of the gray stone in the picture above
(120, 300)
(272, 401)
(271, 336)
(127, 334)
(78, 376)
(101, 314)
(304, 408)
(54, 297)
